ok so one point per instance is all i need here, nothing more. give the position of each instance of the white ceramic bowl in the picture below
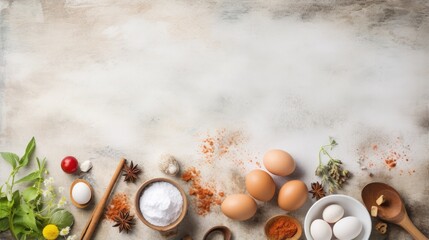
(352, 207)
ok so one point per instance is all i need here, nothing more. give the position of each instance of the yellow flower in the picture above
(50, 232)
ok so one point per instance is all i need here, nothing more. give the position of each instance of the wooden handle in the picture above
(411, 228)
(92, 223)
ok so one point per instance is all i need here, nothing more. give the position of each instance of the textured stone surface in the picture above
(105, 79)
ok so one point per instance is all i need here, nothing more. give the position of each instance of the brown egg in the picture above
(292, 195)
(279, 162)
(239, 207)
(260, 185)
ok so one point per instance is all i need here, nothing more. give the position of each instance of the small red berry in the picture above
(69, 164)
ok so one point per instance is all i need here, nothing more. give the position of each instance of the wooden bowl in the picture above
(71, 197)
(272, 219)
(164, 230)
(226, 232)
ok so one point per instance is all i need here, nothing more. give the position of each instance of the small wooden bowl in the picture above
(272, 219)
(164, 230)
(71, 197)
(226, 232)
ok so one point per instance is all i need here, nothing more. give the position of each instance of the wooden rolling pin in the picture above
(92, 223)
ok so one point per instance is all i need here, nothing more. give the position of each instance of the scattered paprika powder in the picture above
(205, 195)
(219, 144)
(392, 154)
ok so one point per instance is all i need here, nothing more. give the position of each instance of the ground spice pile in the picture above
(205, 196)
(118, 204)
(282, 228)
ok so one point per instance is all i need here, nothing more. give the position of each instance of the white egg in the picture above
(320, 230)
(333, 213)
(347, 228)
(81, 193)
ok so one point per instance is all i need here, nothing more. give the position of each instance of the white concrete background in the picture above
(105, 79)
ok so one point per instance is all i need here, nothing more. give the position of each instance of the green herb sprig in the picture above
(332, 174)
(25, 211)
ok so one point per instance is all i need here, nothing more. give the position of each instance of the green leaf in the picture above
(41, 165)
(24, 216)
(62, 219)
(4, 207)
(30, 194)
(24, 237)
(8, 193)
(38, 162)
(19, 230)
(30, 177)
(11, 158)
(4, 224)
(28, 152)
(15, 199)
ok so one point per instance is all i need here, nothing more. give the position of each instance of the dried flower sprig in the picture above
(332, 174)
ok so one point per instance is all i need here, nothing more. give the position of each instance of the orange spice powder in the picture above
(391, 163)
(219, 144)
(118, 204)
(282, 228)
(392, 154)
(205, 196)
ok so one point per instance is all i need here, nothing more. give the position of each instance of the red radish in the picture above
(69, 164)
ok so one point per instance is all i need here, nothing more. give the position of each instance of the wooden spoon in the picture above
(393, 210)
(227, 235)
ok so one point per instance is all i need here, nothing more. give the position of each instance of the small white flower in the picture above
(48, 182)
(65, 231)
(72, 237)
(61, 190)
(62, 202)
(46, 193)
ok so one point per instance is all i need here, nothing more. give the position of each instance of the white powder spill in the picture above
(161, 203)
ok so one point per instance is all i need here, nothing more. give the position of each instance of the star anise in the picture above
(124, 221)
(131, 172)
(317, 190)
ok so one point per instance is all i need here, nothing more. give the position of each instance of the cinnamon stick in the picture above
(92, 223)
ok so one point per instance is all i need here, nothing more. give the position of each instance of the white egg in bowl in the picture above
(81, 193)
(351, 206)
